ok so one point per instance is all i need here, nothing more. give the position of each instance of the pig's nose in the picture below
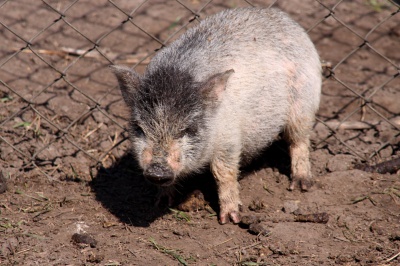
(159, 174)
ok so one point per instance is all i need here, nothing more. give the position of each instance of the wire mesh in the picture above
(60, 110)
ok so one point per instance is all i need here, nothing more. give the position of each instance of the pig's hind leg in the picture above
(297, 133)
(225, 168)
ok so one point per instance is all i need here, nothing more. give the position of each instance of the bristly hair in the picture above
(172, 92)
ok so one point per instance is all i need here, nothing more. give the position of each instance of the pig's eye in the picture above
(137, 130)
(189, 131)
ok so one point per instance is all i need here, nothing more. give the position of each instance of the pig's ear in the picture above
(128, 81)
(214, 87)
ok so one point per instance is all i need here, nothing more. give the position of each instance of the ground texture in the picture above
(67, 197)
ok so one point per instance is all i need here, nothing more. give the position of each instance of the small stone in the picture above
(375, 228)
(258, 229)
(180, 232)
(247, 220)
(84, 239)
(95, 258)
(57, 161)
(386, 152)
(256, 205)
(278, 248)
(344, 258)
(290, 206)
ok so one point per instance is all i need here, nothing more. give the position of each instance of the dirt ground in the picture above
(71, 210)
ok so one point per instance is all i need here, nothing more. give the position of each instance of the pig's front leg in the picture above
(225, 168)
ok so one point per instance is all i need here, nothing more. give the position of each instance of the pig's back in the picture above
(274, 62)
(225, 39)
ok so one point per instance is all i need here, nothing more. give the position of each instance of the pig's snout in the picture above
(159, 174)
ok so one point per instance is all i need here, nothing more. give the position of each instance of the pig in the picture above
(219, 95)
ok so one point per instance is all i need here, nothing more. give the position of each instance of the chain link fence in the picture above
(61, 112)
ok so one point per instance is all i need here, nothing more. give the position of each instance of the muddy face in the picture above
(167, 125)
(160, 163)
(166, 157)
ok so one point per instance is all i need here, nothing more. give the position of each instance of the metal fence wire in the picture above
(61, 112)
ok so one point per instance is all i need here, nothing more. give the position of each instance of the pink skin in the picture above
(174, 157)
(174, 162)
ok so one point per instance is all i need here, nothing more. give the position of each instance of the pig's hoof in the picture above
(303, 183)
(234, 216)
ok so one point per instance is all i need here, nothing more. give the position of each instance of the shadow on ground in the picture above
(123, 190)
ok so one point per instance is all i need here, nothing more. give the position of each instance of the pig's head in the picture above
(168, 124)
